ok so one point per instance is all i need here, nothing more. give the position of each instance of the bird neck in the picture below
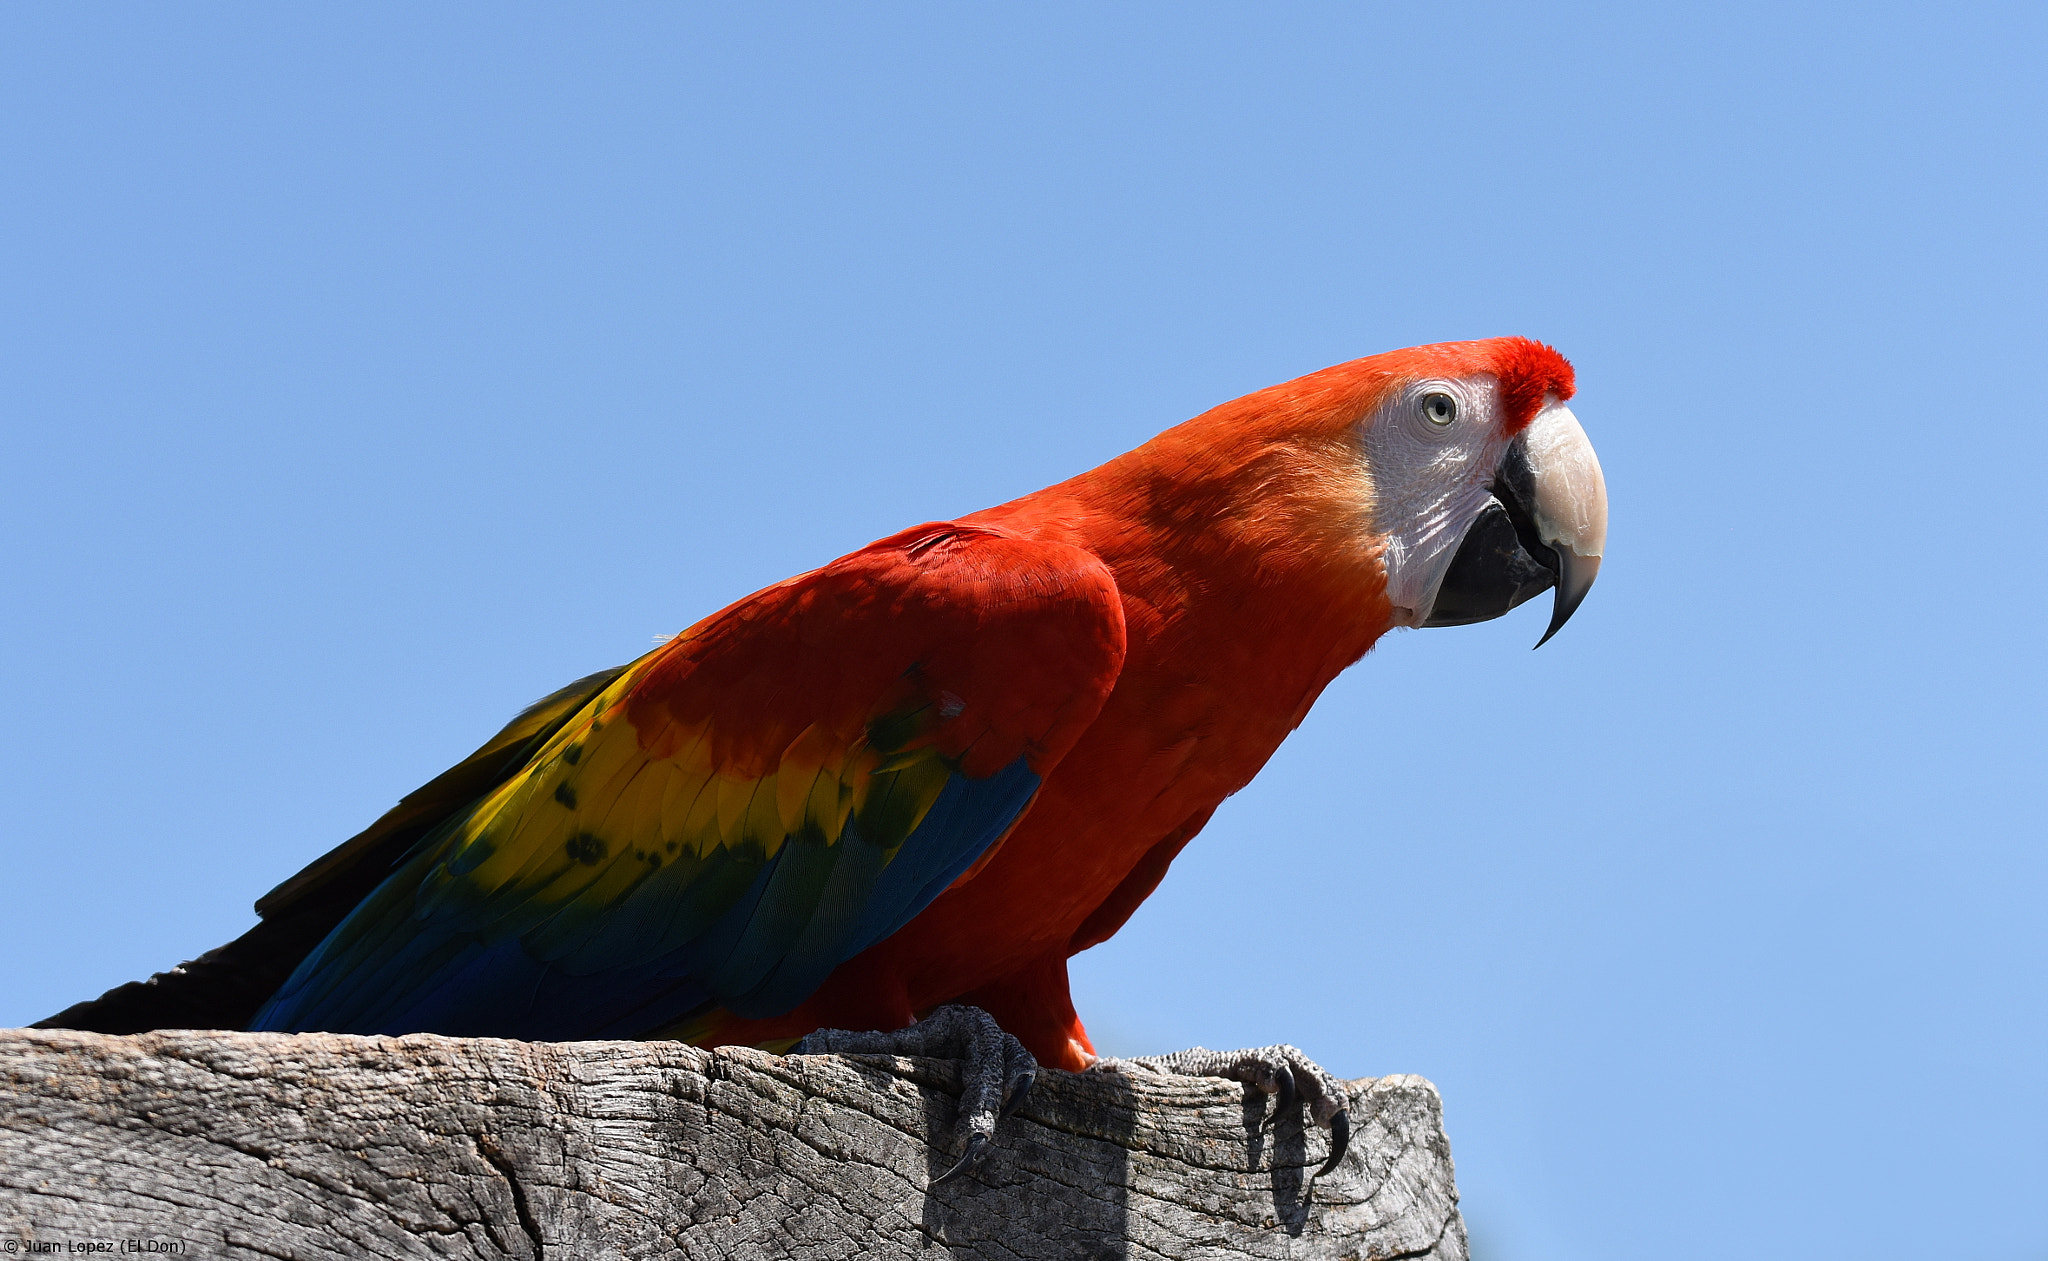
(1251, 553)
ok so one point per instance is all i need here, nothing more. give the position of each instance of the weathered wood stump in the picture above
(317, 1145)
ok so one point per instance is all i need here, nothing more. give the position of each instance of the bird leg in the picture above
(1278, 1070)
(997, 1077)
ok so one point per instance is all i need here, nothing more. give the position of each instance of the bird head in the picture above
(1485, 490)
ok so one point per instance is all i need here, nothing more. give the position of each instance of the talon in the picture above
(997, 1073)
(1340, 1140)
(977, 1147)
(1020, 1090)
(1281, 1071)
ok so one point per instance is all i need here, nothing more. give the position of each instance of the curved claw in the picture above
(995, 1080)
(1283, 1082)
(1340, 1140)
(1020, 1090)
(977, 1147)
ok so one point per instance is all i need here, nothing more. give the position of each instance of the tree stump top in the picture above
(322, 1145)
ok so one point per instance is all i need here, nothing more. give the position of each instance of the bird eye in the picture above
(1439, 409)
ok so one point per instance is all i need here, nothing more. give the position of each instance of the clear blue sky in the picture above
(370, 370)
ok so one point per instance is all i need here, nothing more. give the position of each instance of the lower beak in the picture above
(1544, 528)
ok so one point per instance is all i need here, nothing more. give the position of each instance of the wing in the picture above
(743, 810)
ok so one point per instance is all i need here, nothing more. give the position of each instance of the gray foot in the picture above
(994, 1082)
(1278, 1070)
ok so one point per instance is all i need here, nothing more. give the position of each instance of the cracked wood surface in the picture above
(319, 1145)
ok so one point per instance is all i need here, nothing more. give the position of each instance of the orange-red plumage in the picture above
(886, 630)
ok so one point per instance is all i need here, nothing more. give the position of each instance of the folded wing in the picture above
(739, 812)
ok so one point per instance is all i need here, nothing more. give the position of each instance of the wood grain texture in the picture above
(318, 1145)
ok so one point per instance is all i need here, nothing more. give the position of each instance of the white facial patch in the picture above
(1430, 480)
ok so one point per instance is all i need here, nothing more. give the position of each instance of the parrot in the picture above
(881, 804)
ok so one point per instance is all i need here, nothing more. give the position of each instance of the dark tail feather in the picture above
(221, 989)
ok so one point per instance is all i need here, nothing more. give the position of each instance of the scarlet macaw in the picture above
(932, 770)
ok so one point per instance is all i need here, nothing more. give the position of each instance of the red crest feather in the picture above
(1527, 371)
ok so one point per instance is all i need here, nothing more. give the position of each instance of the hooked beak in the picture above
(1545, 527)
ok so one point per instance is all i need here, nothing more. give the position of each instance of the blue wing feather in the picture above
(411, 961)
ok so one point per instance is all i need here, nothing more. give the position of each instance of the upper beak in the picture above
(1566, 499)
(1545, 527)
